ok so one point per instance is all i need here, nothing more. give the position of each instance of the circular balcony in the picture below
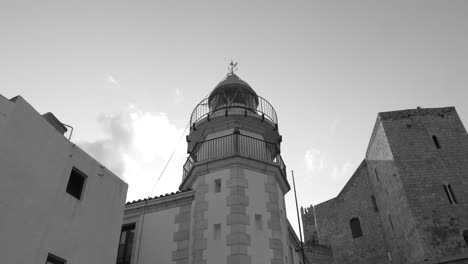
(234, 145)
(261, 109)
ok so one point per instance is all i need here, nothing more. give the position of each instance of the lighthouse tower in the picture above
(238, 178)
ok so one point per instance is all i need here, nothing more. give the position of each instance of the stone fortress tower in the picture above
(408, 200)
(230, 208)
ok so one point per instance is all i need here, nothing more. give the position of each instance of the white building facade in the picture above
(58, 205)
(230, 207)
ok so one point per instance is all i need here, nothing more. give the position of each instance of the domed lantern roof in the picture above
(232, 91)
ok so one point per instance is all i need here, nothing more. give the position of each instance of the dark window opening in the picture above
(124, 254)
(374, 202)
(391, 222)
(217, 231)
(258, 222)
(76, 183)
(376, 175)
(355, 227)
(52, 259)
(217, 185)
(436, 141)
(452, 194)
(292, 256)
(465, 237)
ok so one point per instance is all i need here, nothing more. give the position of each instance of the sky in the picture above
(127, 75)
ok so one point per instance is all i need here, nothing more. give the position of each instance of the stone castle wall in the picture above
(404, 172)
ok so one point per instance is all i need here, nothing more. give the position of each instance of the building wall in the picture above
(399, 227)
(405, 171)
(38, 215)
(423, 169)
(157, 241)
(333, 223)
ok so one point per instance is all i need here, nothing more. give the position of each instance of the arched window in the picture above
(355, 227)
(465, 236)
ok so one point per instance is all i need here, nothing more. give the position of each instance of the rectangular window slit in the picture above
(258, 222)
(217, 231)
(448, 194)
(452, 194)
(436, 141)
(217, 185)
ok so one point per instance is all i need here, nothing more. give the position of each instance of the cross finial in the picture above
(232, 68)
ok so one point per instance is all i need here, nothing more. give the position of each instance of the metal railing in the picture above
(234, 145)
(264, 110)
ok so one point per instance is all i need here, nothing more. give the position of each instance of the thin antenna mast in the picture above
(298, 220)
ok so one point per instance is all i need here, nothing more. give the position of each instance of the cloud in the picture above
(178, 96)
(112, 82)
(343, 172)
(137, 146)
(314, 160)
(333, 126)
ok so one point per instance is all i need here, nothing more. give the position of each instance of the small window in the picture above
(465, 237)
(436, 141)
(52, 259)
(217, 185)
(355, 227)
(258, 222)
(376, 175)
(374, 203)
(217, 231)
(291, 254)
(76, 183)
(127, 235)
(450, 195)
(391, 222)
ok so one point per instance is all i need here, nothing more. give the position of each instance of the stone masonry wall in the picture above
(200, 222)
(238, 239)
(333, 223)
(308, 221)
(274, 224)
(182, 236)
(423, 169)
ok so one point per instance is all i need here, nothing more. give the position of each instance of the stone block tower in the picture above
(239, 179)
(408, 200)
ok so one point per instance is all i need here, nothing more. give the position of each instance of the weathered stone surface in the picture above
(398, 195)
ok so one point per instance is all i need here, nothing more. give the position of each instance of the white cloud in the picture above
(112, 82)
(137, 147)
(314, 160)
(343, 172)
(178, 96)
(333, 126)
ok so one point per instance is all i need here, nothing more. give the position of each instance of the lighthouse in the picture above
(239, 178)
(230, 205)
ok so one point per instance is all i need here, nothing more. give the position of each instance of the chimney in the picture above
(55, 122)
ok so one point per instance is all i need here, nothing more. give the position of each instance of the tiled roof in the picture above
(157, 197)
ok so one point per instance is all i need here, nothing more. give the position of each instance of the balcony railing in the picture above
(263, 110)
(234, 145)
